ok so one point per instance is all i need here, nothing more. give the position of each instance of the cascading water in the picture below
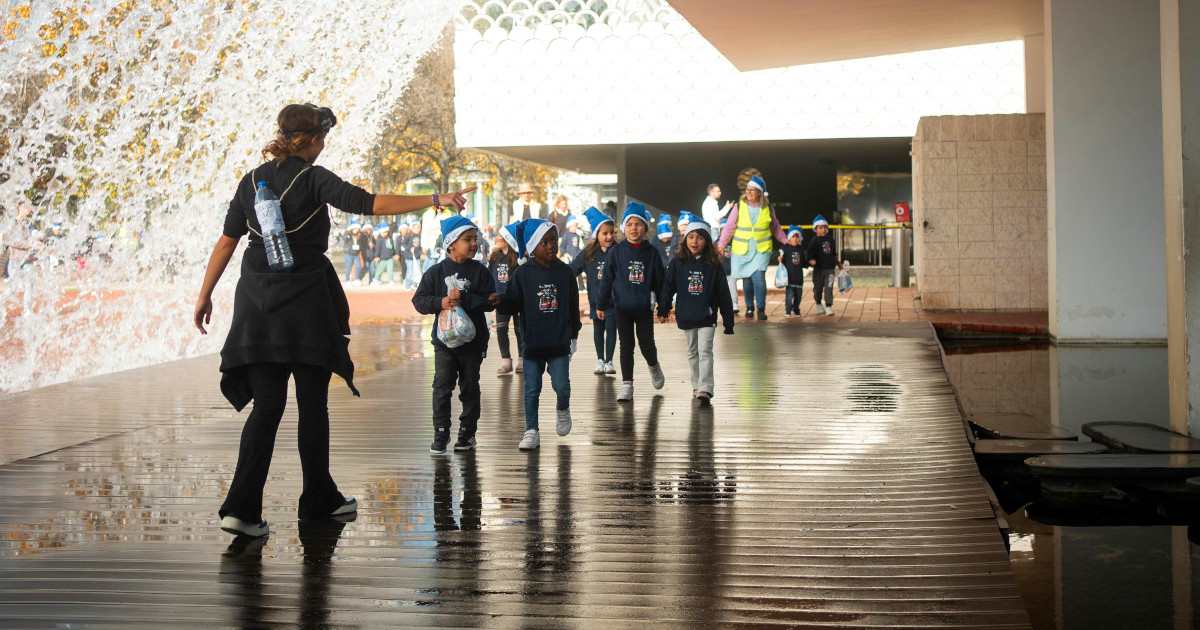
(130, 121)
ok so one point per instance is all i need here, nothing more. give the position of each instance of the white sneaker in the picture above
(820, 310)
(530, 441)
(599, 367)
(608, 368)
(626, 392)
(656, 377)
(563, 425)
(829, 310)
(349, 506)
(238, 527)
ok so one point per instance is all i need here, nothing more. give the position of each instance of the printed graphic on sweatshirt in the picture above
(637, 272)
(547, 298)
(695, 282)
(826, 247)
(796, 259)
(600, 271)
(502, 272)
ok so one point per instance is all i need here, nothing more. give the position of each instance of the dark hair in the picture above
(297, 123)
(708, 255)
(510, 255)
(593, 246)
(712, 186)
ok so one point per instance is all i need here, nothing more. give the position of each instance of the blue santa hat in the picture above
(383, 225)
(635, 210)
(596, 219)
(453, 227)
(696, 224)
(664, 225)
(532, 233)
(757, 182)
(509, 234)
(685, 217)
(795, 229)
(355, 225)
(820, 220)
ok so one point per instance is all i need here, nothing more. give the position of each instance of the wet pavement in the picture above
(830, 485)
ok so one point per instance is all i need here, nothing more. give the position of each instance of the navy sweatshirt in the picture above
(664, 250)
(633, 276)
(823, 250)
(501, 273)
(701, 291)
(795, 260)
(431, 290)
(548, 300)
(595, 273)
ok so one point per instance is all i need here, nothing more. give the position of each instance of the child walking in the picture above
(703, 291)
(633, 277)
(544, 291)
(502, 262)
(794, 259)
(591, 262)
(822, 255)
(461, 364)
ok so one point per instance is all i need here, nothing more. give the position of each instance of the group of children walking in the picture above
(531, 288)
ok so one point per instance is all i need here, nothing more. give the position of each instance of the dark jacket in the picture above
(548, 300)
(823, 249)
(384, 248)
(633, 277)
(501, 273)
(595, 273)
(366, 246)
(703, 291)
(571, 245)
(664, 249)
(795, 260)
(431, 290)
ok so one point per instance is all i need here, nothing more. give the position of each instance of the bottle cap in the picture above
(261, 184)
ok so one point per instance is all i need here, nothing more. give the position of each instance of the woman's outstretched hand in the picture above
(203, 313)
(457, 199)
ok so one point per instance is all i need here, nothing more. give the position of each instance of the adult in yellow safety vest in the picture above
(750, 227)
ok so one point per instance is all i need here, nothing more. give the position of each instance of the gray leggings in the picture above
(823, 278)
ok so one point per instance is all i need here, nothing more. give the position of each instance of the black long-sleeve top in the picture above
(595, 273)
(823, 249)
(431, 290)
(701, 291)
(548, 300)
(795, 260)
(633, 277)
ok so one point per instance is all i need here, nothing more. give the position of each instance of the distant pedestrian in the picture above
(352, 250)
(457, 366)
(385, 254)
(525, 207)
(570, 240)
(822, 255)
(502, 262)
(711, 210)
(20, 242)
(367, 239)
(591, 263)
(697, 282)
(794, 259)
(633, 277)
(665, 237)
(401, 242)
(544, 291)
(749, 227)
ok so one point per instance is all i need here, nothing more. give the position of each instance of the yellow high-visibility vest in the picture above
(759, 231)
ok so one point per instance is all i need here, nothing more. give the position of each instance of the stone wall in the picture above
(979, 212)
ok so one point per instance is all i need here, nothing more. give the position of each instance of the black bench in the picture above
(1016, 426)
(1140, 437)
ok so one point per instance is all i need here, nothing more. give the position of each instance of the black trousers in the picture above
(641, 322)
(268, 382)
(502, 320)
(449, 368)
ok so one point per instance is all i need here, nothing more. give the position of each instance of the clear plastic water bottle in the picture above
(270, 220)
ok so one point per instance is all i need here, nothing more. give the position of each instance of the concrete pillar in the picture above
(1180, 33)
(1035, 74)
(1104, 168)
(622, 183)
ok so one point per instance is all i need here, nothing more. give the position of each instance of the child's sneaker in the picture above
(608, 368)
(563, 425)
(704, 397)
(762, 316)
(236, 526)
(505, 366)
(829, 310)
(626, 392)
(441, 438)
(820, 310)
(465, 443)
(656, 377)
(530, 441)
(348, 506)
(599, 367)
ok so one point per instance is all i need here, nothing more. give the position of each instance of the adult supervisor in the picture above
(750, 225)
(291, 323)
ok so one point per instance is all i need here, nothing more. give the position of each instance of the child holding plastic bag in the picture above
(459, 289)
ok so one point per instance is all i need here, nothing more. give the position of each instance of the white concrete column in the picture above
(1105, 171)
(1035, 74)
(1180, 34)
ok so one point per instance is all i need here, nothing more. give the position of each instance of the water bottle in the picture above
(270, 220)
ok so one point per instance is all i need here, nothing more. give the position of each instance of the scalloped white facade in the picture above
(566, 72)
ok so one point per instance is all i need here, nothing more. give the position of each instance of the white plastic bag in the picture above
(454, 327)
(844, 283)
(781, 277)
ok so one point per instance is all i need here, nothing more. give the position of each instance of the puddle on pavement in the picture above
(1084, 573)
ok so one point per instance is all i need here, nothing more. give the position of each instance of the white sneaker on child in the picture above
(608, 368)
(531, 440)
(626, 392)
(563, 425)
(656, 376)
(599, 367)
(820, 310)
(829, 310)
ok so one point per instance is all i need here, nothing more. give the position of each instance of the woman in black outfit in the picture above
(291, 323)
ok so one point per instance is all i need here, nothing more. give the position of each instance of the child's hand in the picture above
(662, 319)
(779, 259)
(449, 303)
(600, 315)
(813, 262)
(494, 299)
(839, 267)
(455, 294)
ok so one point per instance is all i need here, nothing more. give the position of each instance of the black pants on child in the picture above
(604, 333)
(643, 323)
(448, 368)
(502, 320)
(269, 385)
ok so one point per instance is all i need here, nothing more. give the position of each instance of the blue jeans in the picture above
(560, 378)
(791, 298)
(350, 260)
(755, 288)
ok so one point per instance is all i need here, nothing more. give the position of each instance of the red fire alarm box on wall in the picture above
(903, 213)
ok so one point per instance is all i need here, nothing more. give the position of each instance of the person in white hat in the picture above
(525, 207)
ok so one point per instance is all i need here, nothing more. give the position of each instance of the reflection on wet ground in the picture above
(830, 484)
(1084, 571)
